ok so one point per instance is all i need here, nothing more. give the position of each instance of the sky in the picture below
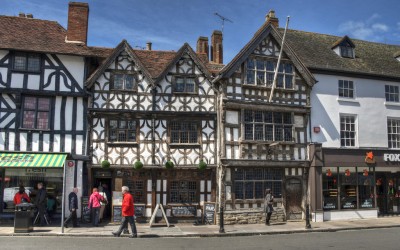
(168, 24)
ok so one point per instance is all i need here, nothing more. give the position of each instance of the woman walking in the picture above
(269, 199)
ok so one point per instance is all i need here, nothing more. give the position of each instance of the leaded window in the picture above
(36, 113)
(183, 192)
(250, 183)
(184, 85)
(393, 133)
(392, 93)
(347, 51)
(122, 131)
(184, 132)
(27, 62)
(261, 72)
(347, 131)
(124, 82)
(346, 89)
(268, 126)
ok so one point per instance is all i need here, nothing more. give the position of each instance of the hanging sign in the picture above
(347, 172)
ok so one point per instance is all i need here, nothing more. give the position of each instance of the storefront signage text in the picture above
(17, 158)
(391, 157)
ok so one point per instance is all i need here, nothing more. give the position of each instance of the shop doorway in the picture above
(387, 193)
(294, 196)
(104, 186)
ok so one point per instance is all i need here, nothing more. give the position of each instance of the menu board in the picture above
(209, 213)
(183, 211)
(85, 211)
(116, 213)
(139, 210)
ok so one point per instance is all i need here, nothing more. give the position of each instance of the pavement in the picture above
(190, 230)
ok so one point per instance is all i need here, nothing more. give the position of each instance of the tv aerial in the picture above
(223, 19)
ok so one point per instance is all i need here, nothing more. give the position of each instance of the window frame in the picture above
(391, 95)
(266, 125)
(346, 51)
(185, 83)
(180, 143)
(267, 73)
(124, 74)
(393, 133)
(343, 132)
(26, 56)
(345, 91)
(126, 129)
(36, 110)
(187, 190)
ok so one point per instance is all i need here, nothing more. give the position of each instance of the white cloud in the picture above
(365, 30)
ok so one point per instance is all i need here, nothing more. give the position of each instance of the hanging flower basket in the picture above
(138, 165)
(105, 164)
(202, 165)
(169, 165)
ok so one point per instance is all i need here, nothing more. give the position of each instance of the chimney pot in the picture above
(78, 19)
(202, 46)
(216, 47)
(29, 16)
(21, 14)
(271, 18)
(148, 45)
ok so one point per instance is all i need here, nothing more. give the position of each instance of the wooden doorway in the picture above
(294, 196)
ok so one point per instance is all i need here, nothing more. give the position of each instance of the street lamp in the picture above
(308, 224)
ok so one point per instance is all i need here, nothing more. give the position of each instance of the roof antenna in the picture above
(223, 19)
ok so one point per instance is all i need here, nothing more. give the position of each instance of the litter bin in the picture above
(23, 218)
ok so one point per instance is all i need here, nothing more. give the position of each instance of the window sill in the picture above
(30, 130)
(185, 93)
(275, 143)
(184, 145)
(119, 144)
(396, 104)
(255, 86)
(124, 90)
(25, 71)
(352, 100)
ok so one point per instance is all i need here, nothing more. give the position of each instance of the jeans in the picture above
(73, 217)
(124, 224)
(95, 216)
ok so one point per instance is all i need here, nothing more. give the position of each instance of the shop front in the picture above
(28, 169)
(356, 183)
(182, 192)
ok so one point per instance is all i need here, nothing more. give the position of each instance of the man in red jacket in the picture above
(128, 212)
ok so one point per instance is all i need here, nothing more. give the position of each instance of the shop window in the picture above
(251, 183)
(184, 132)
(347, 131)
(183, 192)
(393, 126)
(27, 62)
(122, 131)
(330, 188)
(36, 113)
(29, 178)
(268, 126)
(348, 188)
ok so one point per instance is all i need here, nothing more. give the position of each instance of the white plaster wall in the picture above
(368, 106)
(76, 66)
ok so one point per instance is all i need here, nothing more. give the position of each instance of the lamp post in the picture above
(308, 224)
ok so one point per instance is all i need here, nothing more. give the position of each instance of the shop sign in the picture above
(391, 157)
(369, 158)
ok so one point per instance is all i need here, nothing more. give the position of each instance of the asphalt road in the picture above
(376, 239)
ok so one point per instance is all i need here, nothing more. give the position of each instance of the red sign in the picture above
(70, 164)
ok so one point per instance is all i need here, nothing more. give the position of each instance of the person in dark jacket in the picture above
(128, 213)
(73, 206)
(41, 202)
(268, 202)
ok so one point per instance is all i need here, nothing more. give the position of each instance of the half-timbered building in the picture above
(43, 104)
(150, 110)
(264, 143)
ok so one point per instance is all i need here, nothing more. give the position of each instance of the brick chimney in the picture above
(216, 47)
(202, 46)
(29, 16)
(148, 45)
(270, 18)
(78, 19)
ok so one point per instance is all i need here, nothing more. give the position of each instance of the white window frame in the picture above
(393, 132)
(347, 90)
(346, 130)
(390, 93)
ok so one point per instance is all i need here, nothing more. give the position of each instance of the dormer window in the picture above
(344, 48)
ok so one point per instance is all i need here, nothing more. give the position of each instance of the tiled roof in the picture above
(30, 34)
(155, 61)
(315, 50)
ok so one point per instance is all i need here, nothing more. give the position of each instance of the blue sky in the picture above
(168, 24)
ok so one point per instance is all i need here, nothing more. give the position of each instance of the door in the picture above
(294, 196)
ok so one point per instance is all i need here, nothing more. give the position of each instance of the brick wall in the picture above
(78, 19)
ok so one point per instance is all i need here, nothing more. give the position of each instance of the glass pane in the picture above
(260, 78)
(248, 131)
(129, 82)
(259, 190)
(259, 132)
(269, 132)
(249, 190)
(279, 81)
(268, 117)
(118, 81)
(174, 137)
(270, 66)
(250, 64)
(248, 116)
(288, 68)
(33, 62)
(250, 77)
(239, 190)
(190, 87)
(113, 124)
(287, 133)
(43, 120)
(122, 124)
(260, 65)
(43, 104)
(20, 62)
(288, 81)
(30, 103)
(29, 119)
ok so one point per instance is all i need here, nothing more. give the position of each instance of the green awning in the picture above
(32, 160)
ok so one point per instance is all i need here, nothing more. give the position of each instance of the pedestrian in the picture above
(73, 206)
(41, 202)
(107, 209)
(21, 196)
(95, 205)
(128, 213)
(103, 203)
(269, 199)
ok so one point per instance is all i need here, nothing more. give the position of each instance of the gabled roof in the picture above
(185, 49)
(35, 35)
(266, 30)
(343, 40)
(123, 46)
(315, 50)
(155, 61)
